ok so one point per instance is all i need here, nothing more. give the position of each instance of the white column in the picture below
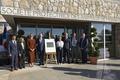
(104, 43)
(92, 37)
(18, 27)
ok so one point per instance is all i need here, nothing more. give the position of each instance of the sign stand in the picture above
(50, 51)
(50, 57)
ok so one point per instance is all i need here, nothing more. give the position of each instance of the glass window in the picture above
(100, 34)
(69, 33)
(28, 29)
(57, 31)
(43, 29)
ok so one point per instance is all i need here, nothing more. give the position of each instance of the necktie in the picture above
(14, 42)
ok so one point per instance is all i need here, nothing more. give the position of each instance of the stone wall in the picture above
(2, 19)
(93, 10)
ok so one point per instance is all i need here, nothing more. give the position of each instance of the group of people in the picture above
(66, 49)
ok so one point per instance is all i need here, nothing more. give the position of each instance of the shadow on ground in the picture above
(5, 67)
(97, 74)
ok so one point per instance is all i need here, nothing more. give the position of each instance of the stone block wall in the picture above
(93, 10)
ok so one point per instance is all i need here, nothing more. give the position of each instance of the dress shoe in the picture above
(12, 69)
(16, 68)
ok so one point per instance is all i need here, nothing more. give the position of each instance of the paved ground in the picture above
(105, 70)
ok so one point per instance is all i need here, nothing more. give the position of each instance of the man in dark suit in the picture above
(40, 49)
(13, 52)
(22, 52)
(66, 49)
(83, 46)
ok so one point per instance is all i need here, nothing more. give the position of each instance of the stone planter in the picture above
(93, 60)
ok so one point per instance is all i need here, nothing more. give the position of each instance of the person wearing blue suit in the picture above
(40, 49)
(83, 46)
(13, 52)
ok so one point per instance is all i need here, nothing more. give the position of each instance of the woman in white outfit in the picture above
(60, 44)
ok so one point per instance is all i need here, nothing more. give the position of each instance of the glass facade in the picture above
(100, 35)
(43, 29)
(56, 30)
(28, 29)
(36, 29)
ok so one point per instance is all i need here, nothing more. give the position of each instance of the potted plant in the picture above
(94, 48)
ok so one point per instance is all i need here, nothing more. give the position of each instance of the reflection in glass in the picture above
(43, 30)
(57, 31)
(29, 30)
(100, 35)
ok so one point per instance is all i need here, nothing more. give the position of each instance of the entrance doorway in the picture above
(56, 30)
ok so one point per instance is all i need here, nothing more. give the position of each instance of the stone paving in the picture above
(105, 70)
